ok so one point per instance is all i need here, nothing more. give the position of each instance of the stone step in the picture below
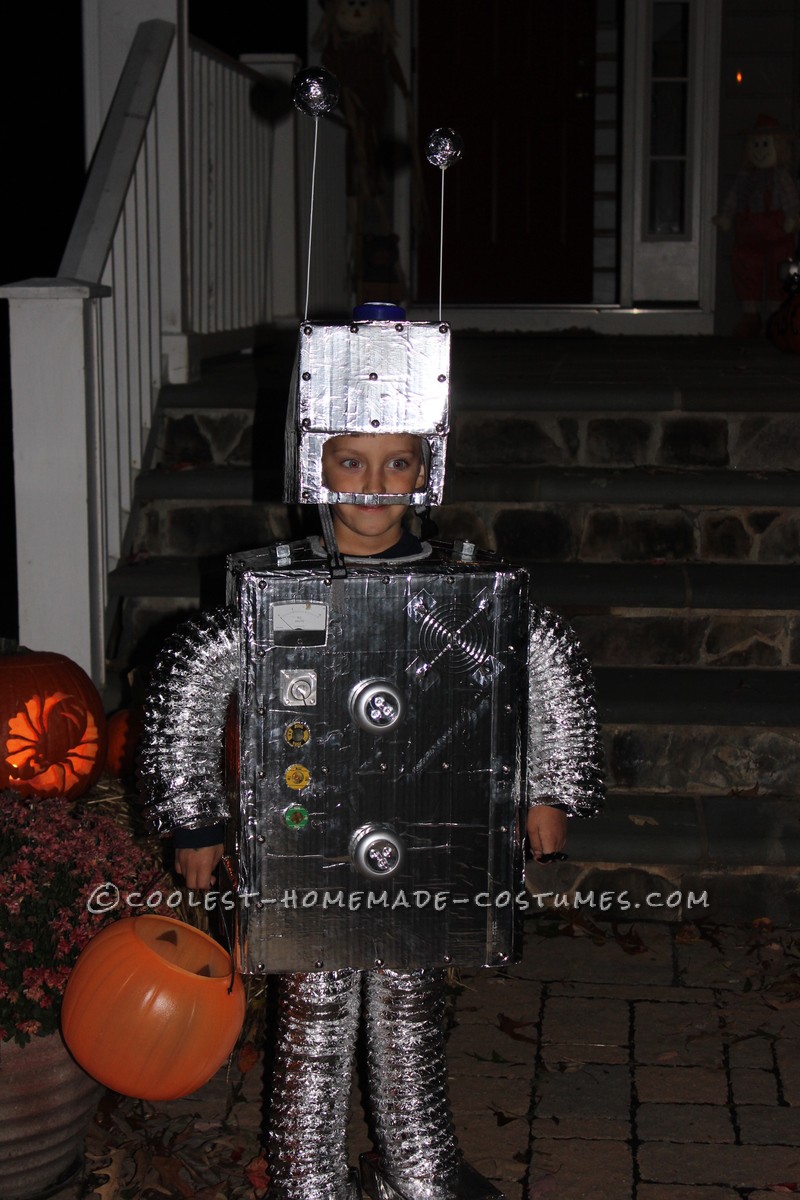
(644, 531)
(221, 434)
(541, 373)
(569, 517)
(586, 588)
(601, 587)
(698, 696)
(698, 639)
(603, 486)
(644, 828)
(732, 621)
(516, 484)
(742, 441)
(723, 760)
(192, 527)
(690, 859)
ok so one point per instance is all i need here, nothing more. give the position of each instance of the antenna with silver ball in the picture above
(443, 148)
(315, 92)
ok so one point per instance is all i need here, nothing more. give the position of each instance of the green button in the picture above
(295, 817)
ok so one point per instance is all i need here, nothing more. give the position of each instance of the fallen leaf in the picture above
(256, 1172)
(506, 1025)
(171, 1171)
(247, 1058)
(630, 942)
(640, 820)
(503, 1118)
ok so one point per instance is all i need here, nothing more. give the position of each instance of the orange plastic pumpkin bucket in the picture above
(149, 1010)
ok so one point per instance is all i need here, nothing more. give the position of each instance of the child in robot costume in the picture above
(365, 459)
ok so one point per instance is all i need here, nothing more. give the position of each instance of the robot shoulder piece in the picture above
(273, 557)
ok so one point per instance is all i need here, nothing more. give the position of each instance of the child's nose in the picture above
(375, 480)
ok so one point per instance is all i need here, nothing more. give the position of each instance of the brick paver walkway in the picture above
(656, 1066)
(655, 1062)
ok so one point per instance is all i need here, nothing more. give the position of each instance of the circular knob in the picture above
(377, 851)
(376, 705)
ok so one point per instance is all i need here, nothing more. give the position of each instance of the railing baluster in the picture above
(129, 236)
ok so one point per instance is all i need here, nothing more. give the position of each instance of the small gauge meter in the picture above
(298, 624)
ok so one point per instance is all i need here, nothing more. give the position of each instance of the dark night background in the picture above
(42, 92)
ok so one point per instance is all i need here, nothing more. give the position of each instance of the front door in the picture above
(516, 80)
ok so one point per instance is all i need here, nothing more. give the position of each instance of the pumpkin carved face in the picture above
(52, 726)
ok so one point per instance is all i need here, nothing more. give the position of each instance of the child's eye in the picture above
(399, 464)
(352, 464)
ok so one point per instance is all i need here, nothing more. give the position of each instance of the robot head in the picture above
(379, 374)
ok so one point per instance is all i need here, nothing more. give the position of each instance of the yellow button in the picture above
(297, 734)
(297, 777)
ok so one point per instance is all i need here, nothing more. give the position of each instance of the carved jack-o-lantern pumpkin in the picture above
(52, 726)
(151, 1008)
(124, 735)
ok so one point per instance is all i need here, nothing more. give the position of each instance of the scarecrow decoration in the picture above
(763, 210)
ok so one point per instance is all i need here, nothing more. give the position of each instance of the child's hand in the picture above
(547, 830)
(197, 865)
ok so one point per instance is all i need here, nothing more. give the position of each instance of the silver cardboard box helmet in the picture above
(375, 375)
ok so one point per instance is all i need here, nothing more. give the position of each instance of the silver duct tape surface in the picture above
(495, 699)
(320, 793)
(367, 377)
(181, 762)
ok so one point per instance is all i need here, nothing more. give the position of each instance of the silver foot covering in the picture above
(408, 1084)
(318, 1018)
(469, 1185)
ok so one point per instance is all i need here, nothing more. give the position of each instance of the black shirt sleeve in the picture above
(196, 839)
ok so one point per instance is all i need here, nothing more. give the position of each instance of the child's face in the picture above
(371, 464)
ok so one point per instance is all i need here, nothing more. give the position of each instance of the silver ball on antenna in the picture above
(444, 147)
(315, 91)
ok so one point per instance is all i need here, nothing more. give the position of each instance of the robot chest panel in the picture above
(380, 733)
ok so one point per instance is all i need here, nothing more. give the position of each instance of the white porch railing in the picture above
(153, 269)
